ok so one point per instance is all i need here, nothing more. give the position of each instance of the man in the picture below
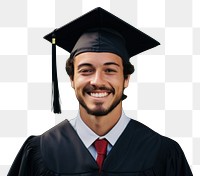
(101, 140)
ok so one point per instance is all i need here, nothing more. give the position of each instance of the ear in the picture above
(126, 81)
(72, 82)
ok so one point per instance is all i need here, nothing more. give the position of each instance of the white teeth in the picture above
(99, 95)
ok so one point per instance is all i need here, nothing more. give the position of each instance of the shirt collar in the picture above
(88, 136)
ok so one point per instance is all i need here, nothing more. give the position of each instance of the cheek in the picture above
(118, 83)
(79, 83)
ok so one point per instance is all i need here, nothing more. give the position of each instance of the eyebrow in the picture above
(90, 65)
(111, 63)
(84, 64)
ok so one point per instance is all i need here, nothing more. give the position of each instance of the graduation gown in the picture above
(139, 151)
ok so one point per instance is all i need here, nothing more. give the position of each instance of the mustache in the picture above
(91, 88)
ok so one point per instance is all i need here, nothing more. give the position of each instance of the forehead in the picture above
(97, 59)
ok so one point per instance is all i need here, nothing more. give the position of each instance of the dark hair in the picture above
(128, 68)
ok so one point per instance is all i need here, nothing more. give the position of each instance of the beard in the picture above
(99, 110)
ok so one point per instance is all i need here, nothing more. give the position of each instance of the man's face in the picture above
(98, 82)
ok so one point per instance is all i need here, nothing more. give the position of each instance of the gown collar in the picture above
(88, 136)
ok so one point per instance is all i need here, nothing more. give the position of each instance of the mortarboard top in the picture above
(66, 37)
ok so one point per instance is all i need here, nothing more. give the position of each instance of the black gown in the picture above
(139, 151)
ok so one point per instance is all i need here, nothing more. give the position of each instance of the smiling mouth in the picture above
(99, 95)
(98, 92)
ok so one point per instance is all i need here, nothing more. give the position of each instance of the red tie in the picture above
(101, 148)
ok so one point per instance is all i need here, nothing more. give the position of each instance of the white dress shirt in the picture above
(88, 136)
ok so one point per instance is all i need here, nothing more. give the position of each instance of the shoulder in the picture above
(164, 146)
(55, 134)
(171, 149)
(142, 132)
(34, 141)
(57, 127)
(29, 155)
(36, 149)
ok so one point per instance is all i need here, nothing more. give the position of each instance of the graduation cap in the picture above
(96, 31)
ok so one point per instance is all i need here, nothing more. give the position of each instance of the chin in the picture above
(98, 113)
(99, 110)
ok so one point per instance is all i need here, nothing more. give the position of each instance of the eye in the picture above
(109, 70)
(86, 71)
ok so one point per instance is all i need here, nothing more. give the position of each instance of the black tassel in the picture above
(55, 90)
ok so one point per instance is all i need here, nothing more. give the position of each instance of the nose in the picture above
(97, 79)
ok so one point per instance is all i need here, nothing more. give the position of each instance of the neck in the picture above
(101, 125)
